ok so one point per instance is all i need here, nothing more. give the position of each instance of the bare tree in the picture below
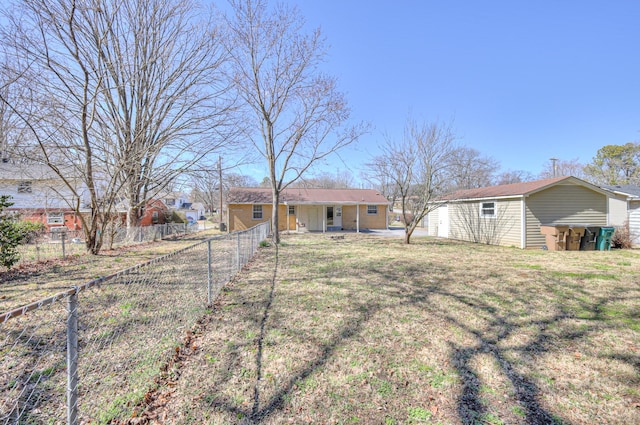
(14, 137)
(128, 93)
(206, 186)
(513, 176)
(377, 175)
(340, 180)
(418, 167)
(469, 169)
(297, 112)
(562, 168)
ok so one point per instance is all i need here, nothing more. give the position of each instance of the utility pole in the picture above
(220, 186)
(554, 160)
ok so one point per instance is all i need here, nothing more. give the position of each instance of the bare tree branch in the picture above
(298, 114)
(129, 94)
(416, 169)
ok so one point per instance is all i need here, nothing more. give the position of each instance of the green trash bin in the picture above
(603, 241)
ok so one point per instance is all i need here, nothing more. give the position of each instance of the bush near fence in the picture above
(52, 245)
(91, 353)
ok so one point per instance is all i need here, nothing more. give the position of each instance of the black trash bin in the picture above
(588, 242)
(223, 227)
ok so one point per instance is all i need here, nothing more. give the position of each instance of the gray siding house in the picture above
(511, 215)
(626, 204)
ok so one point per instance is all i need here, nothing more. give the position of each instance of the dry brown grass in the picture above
(368, 330)
(32, 281)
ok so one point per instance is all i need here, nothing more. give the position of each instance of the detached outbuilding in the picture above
(511, 215)
(305, 209)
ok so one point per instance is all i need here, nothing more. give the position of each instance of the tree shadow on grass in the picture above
(471, 407)
(262, 411)
(547, 333)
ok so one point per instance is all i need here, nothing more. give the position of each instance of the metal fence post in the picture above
(63, 237)
(239, 266)
(209, 277)
(72, 359)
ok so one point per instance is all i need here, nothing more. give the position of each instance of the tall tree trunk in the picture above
(407, 235)
(274, 217)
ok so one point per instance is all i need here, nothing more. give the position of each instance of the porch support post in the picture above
(287, 207)
(324, 218)
(357, 218)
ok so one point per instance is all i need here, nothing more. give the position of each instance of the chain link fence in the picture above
(62, 244)
(90, 354)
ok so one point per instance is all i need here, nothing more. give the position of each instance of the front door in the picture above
(334, 217)
(292, 218)
(337, 217)
(315, 218)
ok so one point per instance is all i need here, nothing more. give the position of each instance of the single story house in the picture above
(511, 215)
(305, 209)
(631, 204)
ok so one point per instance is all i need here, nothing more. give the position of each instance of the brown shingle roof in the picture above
(506, 190)
(255, 195)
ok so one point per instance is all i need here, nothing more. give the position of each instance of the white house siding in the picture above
(563, 204)
(504, 229)
(617, 210)
(432, 222)
(634, 222)
(44, 194)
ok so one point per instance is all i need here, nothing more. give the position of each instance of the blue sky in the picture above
(523, 81)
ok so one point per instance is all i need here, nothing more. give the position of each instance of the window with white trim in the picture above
(257, 212)
(372, 209)
(55, 217)
(292, 210)
(488, 209)
(24, 187)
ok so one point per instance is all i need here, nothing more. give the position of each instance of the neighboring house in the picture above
(511, 215)
(39, 195)
(175, 201)
(155, 212)
(630, 194)
(304, 210)
(179, 202)
(192, 211)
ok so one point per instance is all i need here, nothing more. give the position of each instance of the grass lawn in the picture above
(32, 281)
(366, 330)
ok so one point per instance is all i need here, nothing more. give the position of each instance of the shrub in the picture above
(12, 233)
(29, 230)
(621, 237)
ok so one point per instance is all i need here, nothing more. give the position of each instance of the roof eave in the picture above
(485, 198)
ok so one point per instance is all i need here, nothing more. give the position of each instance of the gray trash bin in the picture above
(588, 242)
